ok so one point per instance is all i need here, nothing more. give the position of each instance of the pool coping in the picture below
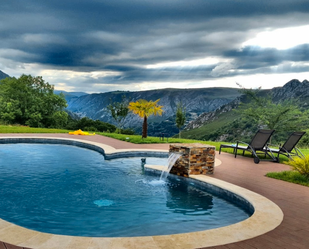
(107, 151)
(266, 217)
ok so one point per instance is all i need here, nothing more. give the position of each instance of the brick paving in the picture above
(293, 199)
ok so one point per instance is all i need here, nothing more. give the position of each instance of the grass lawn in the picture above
(281, 158)
(129, 138)
(27, 129)
(290, 176)
(137, 139)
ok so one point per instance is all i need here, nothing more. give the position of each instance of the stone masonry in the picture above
(196, 159)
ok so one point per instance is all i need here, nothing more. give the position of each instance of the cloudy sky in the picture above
(107, 45)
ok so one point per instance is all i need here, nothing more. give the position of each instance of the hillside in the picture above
(70, 95)
(196, 102)
(73, 94)
(223, 124)
(3, 75)
(293, 90)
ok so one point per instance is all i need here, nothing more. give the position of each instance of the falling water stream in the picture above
(170, 163)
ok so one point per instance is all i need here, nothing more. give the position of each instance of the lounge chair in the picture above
(289, 149)
(258, 143)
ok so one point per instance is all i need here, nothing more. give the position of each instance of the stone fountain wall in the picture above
(196, 159)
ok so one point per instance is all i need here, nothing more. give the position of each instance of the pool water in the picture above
(69, 190)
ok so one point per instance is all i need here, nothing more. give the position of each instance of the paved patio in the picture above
(291, 198)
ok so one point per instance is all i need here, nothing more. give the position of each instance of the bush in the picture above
(300, 165)
(35, 120)
(127, 131)
(90, 128)
(59, 119)
(90, 125)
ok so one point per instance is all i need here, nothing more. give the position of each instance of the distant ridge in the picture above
(76, 94)
(218, 125)
(196, 102)
(293, 89)
(69, 96)
(3, 75)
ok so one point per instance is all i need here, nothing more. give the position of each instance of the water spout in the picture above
(170, 163)
(143, 162)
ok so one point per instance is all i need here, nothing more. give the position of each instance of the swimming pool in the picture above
(73, 191)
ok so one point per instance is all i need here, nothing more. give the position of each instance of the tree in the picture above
(29, 101)
(180, 116)
(9, 110)
(282, 117)
(119, 112)
(59, 119)
(144, 109)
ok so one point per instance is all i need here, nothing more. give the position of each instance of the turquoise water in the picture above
(69, 190)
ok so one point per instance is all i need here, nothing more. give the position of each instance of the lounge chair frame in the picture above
(258, 145)
(289, 148)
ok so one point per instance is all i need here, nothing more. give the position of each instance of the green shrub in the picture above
(90, 125)
(90, 128)
(35, 120)
(300, 165)
(127, 131)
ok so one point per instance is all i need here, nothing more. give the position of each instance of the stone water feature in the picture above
(196, 159)
(170, 163)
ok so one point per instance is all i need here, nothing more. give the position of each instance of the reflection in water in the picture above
(188, 199)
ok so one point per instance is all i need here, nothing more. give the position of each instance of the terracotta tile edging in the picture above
(266, 217)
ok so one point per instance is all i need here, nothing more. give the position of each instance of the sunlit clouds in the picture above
(100, 46)
(281, 39)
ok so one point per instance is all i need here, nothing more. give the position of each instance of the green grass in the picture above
(129, 138)
(27, 129)
(137, 139)
(290, 176)
(305, 151)
(248, 154)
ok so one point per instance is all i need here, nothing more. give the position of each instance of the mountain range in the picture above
(223, 123)
(196, 102)
(208, 110)
(3, 75)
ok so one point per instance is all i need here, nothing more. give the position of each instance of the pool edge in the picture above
(267, 216)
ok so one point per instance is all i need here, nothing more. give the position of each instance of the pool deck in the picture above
(293, 199)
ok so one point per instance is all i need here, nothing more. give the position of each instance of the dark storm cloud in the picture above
(136, 74)
(255, 57)
(124, 36)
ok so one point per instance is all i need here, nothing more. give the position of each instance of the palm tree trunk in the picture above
(145, 127)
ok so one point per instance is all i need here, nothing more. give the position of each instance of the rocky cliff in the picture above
(293, 90)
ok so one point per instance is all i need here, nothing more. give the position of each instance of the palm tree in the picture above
(144, 109)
